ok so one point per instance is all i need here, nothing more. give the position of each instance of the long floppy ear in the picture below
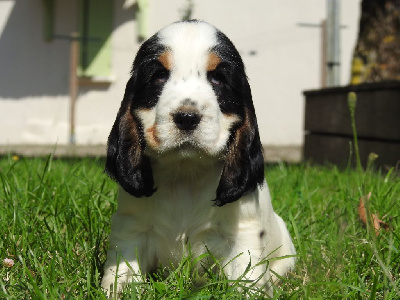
(243, 169)
(126, 162)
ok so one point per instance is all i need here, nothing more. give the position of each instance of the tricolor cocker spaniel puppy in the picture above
(186, 151)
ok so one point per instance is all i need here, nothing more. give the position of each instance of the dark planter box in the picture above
(328, 125)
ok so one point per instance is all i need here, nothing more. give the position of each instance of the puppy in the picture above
(186, 152)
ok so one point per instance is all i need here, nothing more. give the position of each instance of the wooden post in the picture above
(323, 54)
(326, 63)
(73, 84)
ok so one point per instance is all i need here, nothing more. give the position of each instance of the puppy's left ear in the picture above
(126, 162)
(243, 169)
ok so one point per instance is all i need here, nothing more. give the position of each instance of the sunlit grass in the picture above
(55, 219)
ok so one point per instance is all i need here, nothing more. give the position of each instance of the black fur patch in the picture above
(243, 169)
(147, 71)
(126, 162)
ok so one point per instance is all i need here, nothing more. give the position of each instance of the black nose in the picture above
(186, 120)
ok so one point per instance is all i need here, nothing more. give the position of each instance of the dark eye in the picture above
(215, 78)
(160, 77)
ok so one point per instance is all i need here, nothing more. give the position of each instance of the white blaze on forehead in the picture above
(190, 44)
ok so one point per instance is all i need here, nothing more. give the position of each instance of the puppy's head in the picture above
(188, 95)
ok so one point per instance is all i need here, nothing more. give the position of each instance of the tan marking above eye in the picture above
(166, 60)
(213, 61)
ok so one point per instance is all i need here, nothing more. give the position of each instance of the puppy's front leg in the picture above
(246, 266)
(121, 267)
(126, 244)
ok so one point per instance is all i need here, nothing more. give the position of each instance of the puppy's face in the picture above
(188, 96)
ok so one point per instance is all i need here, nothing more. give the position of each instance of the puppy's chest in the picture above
(180, 229)
(172, 213)
(182, 215)
(171, 230)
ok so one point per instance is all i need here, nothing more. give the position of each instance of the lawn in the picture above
(55, 218)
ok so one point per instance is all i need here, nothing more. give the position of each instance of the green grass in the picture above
(55, 216)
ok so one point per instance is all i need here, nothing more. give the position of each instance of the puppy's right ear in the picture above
(126, 162)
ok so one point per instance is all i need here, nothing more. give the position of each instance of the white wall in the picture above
(34, 76)
(282, 60)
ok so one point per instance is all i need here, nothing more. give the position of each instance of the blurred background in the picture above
(64, 64)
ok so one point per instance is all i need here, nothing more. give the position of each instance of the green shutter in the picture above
(95, 32)
(48, 22)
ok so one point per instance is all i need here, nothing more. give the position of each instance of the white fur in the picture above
(157, 231)
(189, 45)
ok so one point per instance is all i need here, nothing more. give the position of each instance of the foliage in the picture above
(377, 52)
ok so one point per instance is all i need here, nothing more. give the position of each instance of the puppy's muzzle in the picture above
(186, 120)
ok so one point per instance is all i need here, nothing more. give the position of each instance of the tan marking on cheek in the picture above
(213, 61)
(166, 60)
(233, 118)
(233, 156)
(153, 140)
(129, 128)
